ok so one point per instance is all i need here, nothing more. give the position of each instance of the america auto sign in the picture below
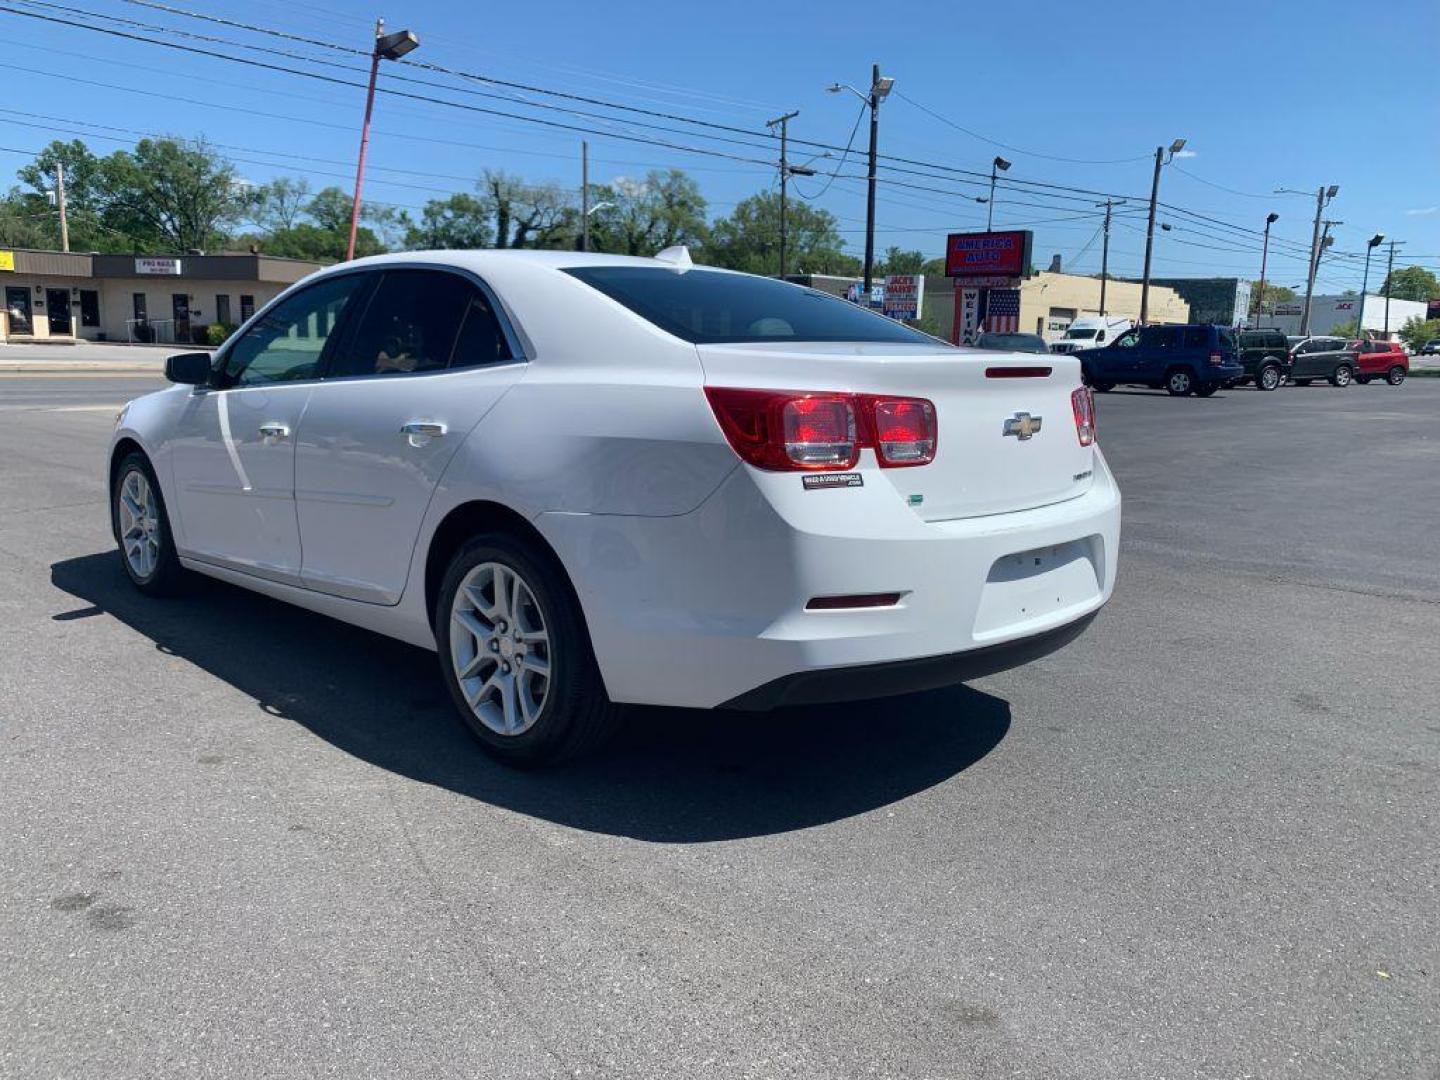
(989, 254)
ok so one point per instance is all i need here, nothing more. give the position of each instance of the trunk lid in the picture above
(978, 468)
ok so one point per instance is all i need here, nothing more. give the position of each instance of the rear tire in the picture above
(142, 528)
(1342, 376)
(515, 654)
(1269, 378)
(1179, 382)
(1395, 376)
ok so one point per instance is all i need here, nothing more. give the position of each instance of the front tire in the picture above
(1395, 376)
(515, 654)
(1342, 376)
(142, 528)
(1179, 383)
(1270, 377)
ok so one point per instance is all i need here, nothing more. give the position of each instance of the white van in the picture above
(1090, 332)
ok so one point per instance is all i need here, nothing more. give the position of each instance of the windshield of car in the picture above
(710, 306)
(1013, 342)
(1080, 334)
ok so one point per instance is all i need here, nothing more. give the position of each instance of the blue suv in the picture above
(1195, 359)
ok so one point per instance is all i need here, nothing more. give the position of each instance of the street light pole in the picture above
(60, 205)
(1004, 166)
(1370, 246)
(783, 122)
(1270, 219)
(387, 47)
(1160, 160)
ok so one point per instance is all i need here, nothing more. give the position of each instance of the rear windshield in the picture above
(708, 306)
(1227, 336)
(1023, 342)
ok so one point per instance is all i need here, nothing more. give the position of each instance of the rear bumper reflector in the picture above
(1017, 372)
(855, 600)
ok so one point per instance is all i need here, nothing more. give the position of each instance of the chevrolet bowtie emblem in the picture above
(1022, 425)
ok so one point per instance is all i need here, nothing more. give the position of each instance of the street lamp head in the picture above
(1270, 219)
(394, 46)
(1177, 146)
(1332, 191)
(834, 88)
(1377, 239)
(882, 87)
(1002, 164)
(981, 199)
(1165, 225)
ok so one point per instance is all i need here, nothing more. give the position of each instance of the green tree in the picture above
(641, 217)
(1417, 331)
(25, 222)
(462, 221)
(1412, 283)
(1349, 329)
(527, 215)
(901, 262)
(749, 239)
(277, 205)
(169, 194)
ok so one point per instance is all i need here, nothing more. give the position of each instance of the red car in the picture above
(1380, 360)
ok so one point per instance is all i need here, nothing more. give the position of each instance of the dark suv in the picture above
(1322, 357)
(1195, 359)
(1265, 356)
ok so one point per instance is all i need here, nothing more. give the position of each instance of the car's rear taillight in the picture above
(786, 430)
(820, 432)
(1216, 359)
(1083, 402)
(905, 430)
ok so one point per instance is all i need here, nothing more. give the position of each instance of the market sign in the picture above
(157, 265)
(988, 254)
(903, 296)
(7, 261)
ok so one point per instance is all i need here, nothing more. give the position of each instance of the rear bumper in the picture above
(862, 681)
(709, 608)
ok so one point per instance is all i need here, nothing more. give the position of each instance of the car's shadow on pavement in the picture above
(673, 775)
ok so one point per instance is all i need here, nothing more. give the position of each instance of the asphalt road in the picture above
(238, 840)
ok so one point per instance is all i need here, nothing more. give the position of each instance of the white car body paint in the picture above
(693, 568)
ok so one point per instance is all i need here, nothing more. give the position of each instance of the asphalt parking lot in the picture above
(240, 840)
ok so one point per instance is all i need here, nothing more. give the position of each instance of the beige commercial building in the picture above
(68, 296)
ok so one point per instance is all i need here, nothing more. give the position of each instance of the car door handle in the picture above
(273, 429)
(428, 428)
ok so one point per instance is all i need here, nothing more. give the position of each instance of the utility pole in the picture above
(1322, 196)
(1389, 273)
(870, 192)
(1160, 160)
(1105, 255)
(60, 202)
(1270, 219)
(584, 195)
(784, 124)
(880, 86)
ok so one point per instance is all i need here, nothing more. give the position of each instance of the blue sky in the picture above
(1294, 94)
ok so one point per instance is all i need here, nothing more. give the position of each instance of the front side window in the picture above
(712, 306)
(1128, 340)
(412, 323)
(287, 343)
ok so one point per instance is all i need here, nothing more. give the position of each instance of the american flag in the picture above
(1002, 311)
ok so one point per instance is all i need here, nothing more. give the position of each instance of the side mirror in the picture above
(189, 369)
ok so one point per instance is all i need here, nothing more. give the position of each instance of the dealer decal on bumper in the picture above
(823, 481)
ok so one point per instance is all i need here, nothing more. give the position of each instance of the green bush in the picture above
(216, 333)
(1417, 331)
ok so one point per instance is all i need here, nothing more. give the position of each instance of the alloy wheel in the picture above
(1342, 376)
(1270, 378)
(139, 524)
(1180, 382)
(500, 648)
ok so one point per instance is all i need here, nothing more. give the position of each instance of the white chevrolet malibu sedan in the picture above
(588, 480)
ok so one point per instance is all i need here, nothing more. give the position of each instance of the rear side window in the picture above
(411, 324)
(1226, 337)
(1196, 337)
(1160, 337)
(710, 306)
(481, 340)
